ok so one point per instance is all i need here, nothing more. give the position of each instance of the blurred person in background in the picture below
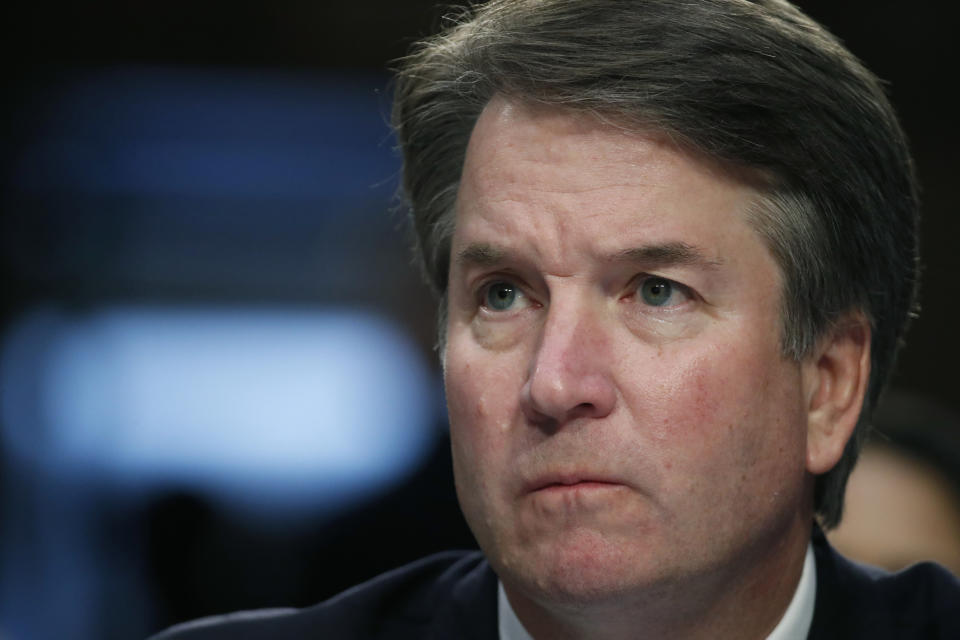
(675, 246)
(903, 499)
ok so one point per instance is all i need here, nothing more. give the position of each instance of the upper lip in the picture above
(562, 478)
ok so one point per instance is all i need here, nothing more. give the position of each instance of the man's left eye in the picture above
(660, 292)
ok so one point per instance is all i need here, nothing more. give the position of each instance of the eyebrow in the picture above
(481, 254)
(665, 254)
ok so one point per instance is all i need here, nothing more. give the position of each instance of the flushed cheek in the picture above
(759, 440)
(715, 409)
(674, 397)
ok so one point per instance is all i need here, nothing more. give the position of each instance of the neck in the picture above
(745, 600)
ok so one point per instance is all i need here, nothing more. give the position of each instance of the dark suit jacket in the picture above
(454, 595)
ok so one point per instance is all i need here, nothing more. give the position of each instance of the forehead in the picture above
(567, 177)
(560, 135)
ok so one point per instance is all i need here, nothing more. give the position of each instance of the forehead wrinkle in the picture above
(616, 175)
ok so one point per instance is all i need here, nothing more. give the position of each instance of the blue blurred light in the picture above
(156, 132)
(265, 407)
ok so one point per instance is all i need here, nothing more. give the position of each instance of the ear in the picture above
(835, 380)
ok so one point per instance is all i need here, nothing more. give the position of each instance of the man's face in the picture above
(621, 415)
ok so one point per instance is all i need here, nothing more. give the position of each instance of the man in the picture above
(675, 244)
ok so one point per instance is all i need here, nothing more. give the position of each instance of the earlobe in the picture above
(835, 381)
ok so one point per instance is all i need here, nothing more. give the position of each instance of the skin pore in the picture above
(631, 449)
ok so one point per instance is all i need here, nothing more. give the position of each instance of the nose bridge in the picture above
(569, 372)
(568, 329)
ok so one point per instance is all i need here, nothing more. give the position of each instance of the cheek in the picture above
(725, 412)
(482, 399)
(475, 398)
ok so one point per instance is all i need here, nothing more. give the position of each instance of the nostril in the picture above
(543, 422)
(535, 416)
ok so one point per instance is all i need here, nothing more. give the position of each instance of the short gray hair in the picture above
(753, 84)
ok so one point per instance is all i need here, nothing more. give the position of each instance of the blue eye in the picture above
(656, 292)
(500, 296)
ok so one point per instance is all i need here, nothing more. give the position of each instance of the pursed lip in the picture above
(561, 481)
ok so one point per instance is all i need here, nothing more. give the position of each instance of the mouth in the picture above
(560, 483)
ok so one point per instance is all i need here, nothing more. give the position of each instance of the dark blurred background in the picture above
(217, 386)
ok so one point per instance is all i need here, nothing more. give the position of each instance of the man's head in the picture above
(754, 87)
(624, 422)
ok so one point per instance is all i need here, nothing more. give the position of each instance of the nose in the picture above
(570, 372)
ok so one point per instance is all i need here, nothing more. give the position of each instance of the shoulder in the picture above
(413, 601)
(858, 601)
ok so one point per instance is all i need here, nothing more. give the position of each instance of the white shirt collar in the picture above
(796, 620)
(794, 625)
(509, 624)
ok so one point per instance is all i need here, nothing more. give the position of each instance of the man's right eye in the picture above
(500, 296)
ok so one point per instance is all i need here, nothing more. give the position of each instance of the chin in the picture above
(581, 568)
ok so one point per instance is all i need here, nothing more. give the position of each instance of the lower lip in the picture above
(576, 498)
